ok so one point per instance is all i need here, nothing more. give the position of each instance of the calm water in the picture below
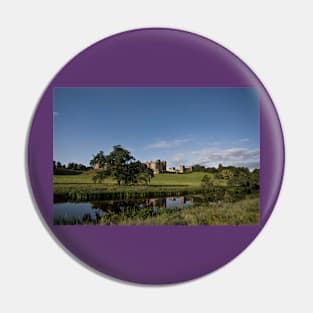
(95, 209)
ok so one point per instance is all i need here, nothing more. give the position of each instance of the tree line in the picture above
(240, 182)
(58, 167)
(219, 170)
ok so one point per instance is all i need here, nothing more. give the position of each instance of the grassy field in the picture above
(191, 179)
(80, 187)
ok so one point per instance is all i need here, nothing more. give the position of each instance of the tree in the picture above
(210, 192)
(255, 179)
(218, 173)
(146, 174)
(70, 165)
(240, 178)
(206, 183)
(100, 176)
(81, 167)
(122, 166)
(116, 163)
(98, 160)
(198, 168)
(212, 170)
(138, 172)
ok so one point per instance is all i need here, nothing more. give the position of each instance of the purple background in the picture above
(155, 58)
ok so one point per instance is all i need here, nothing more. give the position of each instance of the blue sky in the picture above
(186, 126)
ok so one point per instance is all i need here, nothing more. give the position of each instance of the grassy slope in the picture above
(192, 179)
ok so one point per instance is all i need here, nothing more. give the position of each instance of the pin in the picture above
(155, 156)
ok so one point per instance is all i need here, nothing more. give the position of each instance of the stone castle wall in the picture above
(160, 167)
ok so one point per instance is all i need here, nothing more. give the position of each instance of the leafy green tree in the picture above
(100, 176)
(145, 175)
(198, 168)
(206, 183)
(98, 160)
(212, 170)
(239, 178)
(81, 167)
(210, 191)
(255, 179)
(138, 172)
(207, 187)
(117, 162)
(122, 166)
(218, 173)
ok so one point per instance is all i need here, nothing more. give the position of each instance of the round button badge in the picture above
(155, 156)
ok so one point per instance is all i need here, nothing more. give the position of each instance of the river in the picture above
(66, 212)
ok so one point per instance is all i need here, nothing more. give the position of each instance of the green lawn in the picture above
(81, 187)
(191, 179)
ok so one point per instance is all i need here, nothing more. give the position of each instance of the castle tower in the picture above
(158, 166)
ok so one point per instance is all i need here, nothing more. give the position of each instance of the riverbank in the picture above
(83, 192)
(232, 206)
(243, 212)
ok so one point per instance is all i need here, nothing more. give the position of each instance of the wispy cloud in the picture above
(167, 143)
(240, 141)
(234, 156)
(214, 143)
(178, 159)
(55, 113)
(243, 140)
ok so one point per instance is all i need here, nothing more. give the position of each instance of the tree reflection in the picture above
(116, 206)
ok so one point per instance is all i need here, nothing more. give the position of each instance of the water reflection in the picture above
(93, 210)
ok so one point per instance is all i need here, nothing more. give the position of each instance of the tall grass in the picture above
(120, 194)
(244, 212)
(240, 213)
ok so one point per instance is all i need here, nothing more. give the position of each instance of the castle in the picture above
(160, 167)
(182, 169)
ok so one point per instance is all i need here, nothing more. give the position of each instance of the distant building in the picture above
(97, 166)
(172, 170)
(158, 166)
(185, 169)
(182, 169)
